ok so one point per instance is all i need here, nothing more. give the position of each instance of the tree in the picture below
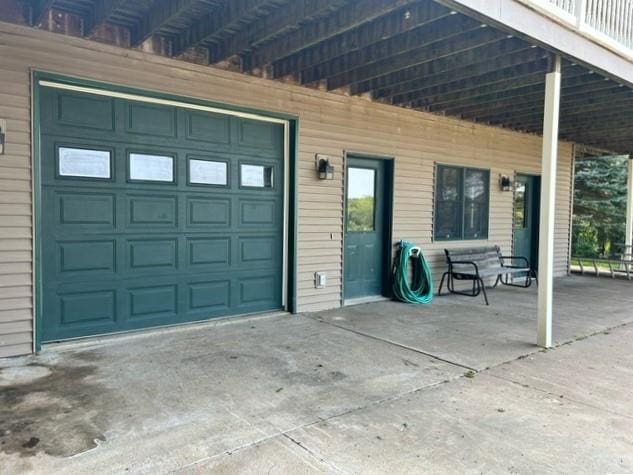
(599, 206)
(360, 214)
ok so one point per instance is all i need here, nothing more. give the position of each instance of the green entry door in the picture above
(526, 217)
(155, 215)
(365, 242)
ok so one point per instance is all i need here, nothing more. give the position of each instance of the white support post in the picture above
(628, 238)
(548, 203)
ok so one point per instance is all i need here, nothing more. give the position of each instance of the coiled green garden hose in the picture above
(420, 289)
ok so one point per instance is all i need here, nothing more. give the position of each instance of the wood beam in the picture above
(614, 126)
(567, 122)
(270, 26)
(462, 39)
(344, 70)
(572, 86)
(622, 145)
(469, 71)
(581, 134)
(227, 16)
(626, 135)
(528, 115)
(358, 41)
(38, 10)
(510, 78)
(347, 18)
(469, 106)
(101, 13)
(446, 64)
(618, 103)
(529, 22)
(159, 14)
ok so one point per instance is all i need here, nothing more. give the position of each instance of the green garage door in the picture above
(155, 215)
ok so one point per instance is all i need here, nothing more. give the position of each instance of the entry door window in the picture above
(361, 200)
(520, 205)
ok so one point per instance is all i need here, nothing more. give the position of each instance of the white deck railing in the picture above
(609, 22)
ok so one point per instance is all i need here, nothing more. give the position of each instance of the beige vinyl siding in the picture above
(328, 123)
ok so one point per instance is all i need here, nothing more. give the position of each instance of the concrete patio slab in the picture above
(465, 331)
(279, 455)
(298, 394)
(172, 398)
(483, 425)
(597, 373)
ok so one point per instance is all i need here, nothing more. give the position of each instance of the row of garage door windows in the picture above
(97, 164)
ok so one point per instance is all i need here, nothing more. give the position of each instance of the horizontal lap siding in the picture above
(329, 124)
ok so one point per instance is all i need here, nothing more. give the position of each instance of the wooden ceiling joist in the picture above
(364, 64)
(36, 11)
(517, 76)
(571, 108)
(359, 40)
(161, 13)
(419, 54)
(469, 72)
(463, 40)
(228, 16)
(446, 64)
(271, 26)
(350, 16)
(512, 98)
(101, 14)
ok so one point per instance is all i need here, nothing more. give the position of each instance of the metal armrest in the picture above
(471, 263)
(515, 258)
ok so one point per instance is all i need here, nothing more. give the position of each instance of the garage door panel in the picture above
(153, 302)
(258, 251)
(83, 111)
(152, 210)
(258, 212)
(150, 119)
(257, 290)
(86, 209)
(207, 127)
(259, 134)
(203, 212)
(152, 254)
(209, 297)
(87, 256)
(122, 254)
(88, 306)
(205, 253)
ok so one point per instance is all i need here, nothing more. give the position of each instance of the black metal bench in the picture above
(477, 264)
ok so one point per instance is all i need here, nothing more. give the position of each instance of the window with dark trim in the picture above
(462, 200)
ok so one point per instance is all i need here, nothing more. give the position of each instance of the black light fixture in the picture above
(505, 183)
(324, 168)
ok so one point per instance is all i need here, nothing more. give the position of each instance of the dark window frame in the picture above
(461, 214)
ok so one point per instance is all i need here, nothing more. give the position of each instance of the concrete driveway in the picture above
(451, 388)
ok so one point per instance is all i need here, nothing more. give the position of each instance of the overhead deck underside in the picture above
(426, 55)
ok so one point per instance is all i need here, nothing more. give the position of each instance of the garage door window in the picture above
(151, 167)
(256, 176)
(208, 172)
(84, 163)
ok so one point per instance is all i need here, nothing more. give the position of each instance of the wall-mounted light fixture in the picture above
(324, 168)
(505, 183)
